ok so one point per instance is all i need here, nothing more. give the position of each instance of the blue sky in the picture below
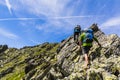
(32, 22)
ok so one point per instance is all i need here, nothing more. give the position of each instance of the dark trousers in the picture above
(76, 36)
(86, 49)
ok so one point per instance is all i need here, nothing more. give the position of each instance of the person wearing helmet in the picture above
(85, 40)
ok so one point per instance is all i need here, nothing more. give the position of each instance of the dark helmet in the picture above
(78, 25)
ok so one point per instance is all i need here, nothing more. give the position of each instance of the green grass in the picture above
(17, 74)
(18, 62)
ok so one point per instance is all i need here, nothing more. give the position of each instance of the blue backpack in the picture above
(88, 36)
(77, 29)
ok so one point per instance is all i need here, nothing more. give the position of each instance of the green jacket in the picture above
(82, 37)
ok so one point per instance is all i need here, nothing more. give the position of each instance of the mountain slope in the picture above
(42, 62)
(16, 64)
(105, 61)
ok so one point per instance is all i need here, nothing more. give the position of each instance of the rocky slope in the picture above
(63, 61)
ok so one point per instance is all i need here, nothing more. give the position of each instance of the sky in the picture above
(33, 22)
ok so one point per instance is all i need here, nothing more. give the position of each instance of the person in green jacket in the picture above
(86, 39)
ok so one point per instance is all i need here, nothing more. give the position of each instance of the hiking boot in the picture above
(87, 66)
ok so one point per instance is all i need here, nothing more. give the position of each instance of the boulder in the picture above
(3, 48)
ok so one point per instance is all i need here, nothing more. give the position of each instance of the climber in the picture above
(85, 40)
(77, 31)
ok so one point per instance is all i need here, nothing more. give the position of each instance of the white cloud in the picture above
(111, 26)
(10, 19)
(39, 27)
(39, 7)
(45, 8)
(7, 34)
(56, 13)
(48, 10)
(66, 17)
(111, 22)
(2, 2)
(8, 6)
(35, 42)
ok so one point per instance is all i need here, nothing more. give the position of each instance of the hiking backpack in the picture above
(77, 29)
(88, 36)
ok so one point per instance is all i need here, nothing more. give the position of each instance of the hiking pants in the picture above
(76, 35)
